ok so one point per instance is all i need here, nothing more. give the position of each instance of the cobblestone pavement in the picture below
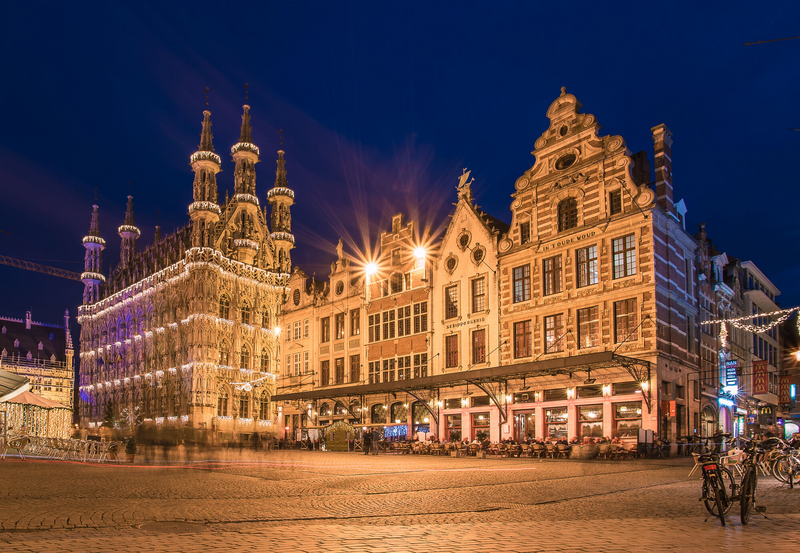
(326, 501)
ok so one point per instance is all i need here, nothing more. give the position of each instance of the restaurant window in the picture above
(551, 268)
(451, 302)
(524, 233)
(339, 323)
(420, 317)
(453, 428)
(404, 367)
(378, 414)
(451, 350)
(478, 346)
(587, 266)
(325, 329)
(522, 339)
(625, 321)
(615, 202)
(625, 388)
(325, 373)
(389, 370)
(556, 422)
(421, 418)
(480, 426)
(522, 283)
(588, 327)
(567, 214)
(355, 322)
(595, 390)
(355, 368)
(374, 372)
(478, 295)
(554, 333)
(627, 419)
(399, 413)
(339, 367)
(388, 324)
(452, 403)
(480, 401)
(420, 365)
(591, 421)
(555, 394)
(404, 320)
(624, 255)
(374, 323)
(524, 425)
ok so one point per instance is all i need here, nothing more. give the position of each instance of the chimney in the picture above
(28, 320)
(662, 145)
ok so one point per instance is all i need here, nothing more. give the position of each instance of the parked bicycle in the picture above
(719, 486)
(784, 462)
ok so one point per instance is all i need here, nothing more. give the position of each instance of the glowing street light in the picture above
(371, 268)
(420, 252)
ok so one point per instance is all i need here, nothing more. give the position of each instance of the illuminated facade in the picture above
(187, 329)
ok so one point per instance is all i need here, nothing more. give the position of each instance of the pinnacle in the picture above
(129, 220)
(280, 174)
(246, 131)
(205, 135)
(94, 226)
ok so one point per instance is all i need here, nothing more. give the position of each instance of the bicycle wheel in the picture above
(748, 495)
(725, 495)
(780, 468)
(713, 499)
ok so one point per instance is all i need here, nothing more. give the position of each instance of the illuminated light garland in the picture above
(248, 386)
(204, 206)
(129, 228)
(159, 421)
(205, 156)
(282, 236)
(282, 190)
(246, 198)
(245, 420)
(737, 322)
(88, 275)
(245, 243)
(184, 418)
(93, 239)
(245, 146)
(264, 422)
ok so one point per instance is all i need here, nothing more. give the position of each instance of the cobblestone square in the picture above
(326, 501)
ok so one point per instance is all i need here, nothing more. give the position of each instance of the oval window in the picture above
(339, 288)
(464, 240)
(477, 255)
(451, 264)
(296, 297)
(565, 161)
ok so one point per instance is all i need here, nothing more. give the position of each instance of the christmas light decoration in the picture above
(245, 146)
(280, 190)
(246, 198)
(202, 156)
(204, 206)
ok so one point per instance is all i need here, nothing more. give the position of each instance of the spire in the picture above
(205, 135)
(158, 226)
(280, 174)
(94, 226)
(245, 136)
(129, 212)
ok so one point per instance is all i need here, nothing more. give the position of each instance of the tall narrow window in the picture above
(522, 283)
(588, 327)
(222, 403)
(522, 339)
(289, 365)
(325, 329)
(297, 330)
(244, 406)
(355, 322)
(339, 366)
(478, 346)
(339, 322)
(404, 320)
(587, 266)
(244, 360)
(404, 367)
(553, 333)
(689, 276)
(567, 214)
(325, 373)
(224, 308)
(374, 372)
(374, 330)
(297, 364)
(615, 202)
(451, 350)
(388, 324)
(420, 317)
(420, 365)
(396, 283)
(305, 328)
(552, 275)
(245, 313)
(264, 361)
(624, 253)
(223, 355)
(625, 320)
(355, 368)
(478, 295)
(263, 411)
(524, 233)
(451, 302)
(389, 370)
(305, 362)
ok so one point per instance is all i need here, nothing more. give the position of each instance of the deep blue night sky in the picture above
(382, 105)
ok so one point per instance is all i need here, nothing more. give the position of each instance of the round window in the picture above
(477, 255)
(339, 288)
(566, 161)
(563, 130)
(296, 297)
(451, 264)
(464, 240)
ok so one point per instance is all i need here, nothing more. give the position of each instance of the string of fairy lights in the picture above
(745, 323)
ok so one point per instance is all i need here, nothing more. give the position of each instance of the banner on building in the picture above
(784, 389)
(668, 408)
(760, 377)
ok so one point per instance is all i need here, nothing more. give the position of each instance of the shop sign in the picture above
(567, 241)
(467, 322)
(785, 389)
(731, 378)
(765, 411)
(760, 377)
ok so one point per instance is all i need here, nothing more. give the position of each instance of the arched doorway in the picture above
(708, 423)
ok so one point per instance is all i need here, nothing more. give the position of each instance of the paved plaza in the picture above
(325, 501)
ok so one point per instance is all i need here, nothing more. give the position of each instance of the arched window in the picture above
(222, 403)
(399, 413)
(567, 214)
(396, 283)
(224, 308)
(223, 354)
(324, 410)
(245, 313)
(378, 414)
(263, 407)
(244, 360)
(264, 361)
(339, 409)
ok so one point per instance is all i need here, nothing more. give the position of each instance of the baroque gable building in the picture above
(187, 329)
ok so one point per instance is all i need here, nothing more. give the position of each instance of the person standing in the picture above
(367, 442)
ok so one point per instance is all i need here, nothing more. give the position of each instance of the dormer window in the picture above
(4, 330)
(29, 357)
(5, 353)
(567, 214)
(53, 357)
(51, 335)
(41, 346)
(525, 232)
(16, 343)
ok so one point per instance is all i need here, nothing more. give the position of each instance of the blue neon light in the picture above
(725, 402)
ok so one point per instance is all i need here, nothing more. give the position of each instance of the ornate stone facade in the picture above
(187, 329)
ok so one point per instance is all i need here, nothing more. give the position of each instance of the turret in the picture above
(281, 198)
(92, 275)
(245, 156)
(204, 210)
(129, 234)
